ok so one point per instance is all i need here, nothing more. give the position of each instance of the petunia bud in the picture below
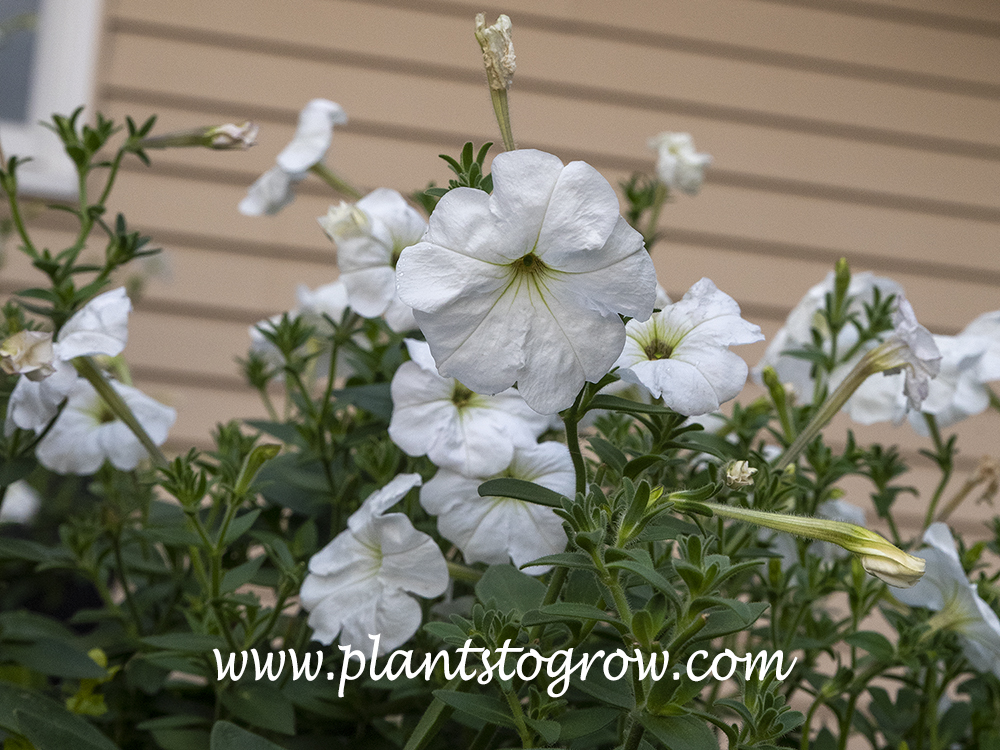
(498, 51)
(219, 137)
(28, 353)
(878, 556)
(740, 474)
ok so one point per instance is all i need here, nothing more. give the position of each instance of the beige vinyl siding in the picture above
(860, 128)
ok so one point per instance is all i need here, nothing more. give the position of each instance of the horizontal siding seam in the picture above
(636, 37)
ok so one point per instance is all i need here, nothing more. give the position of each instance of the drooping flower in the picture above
(370, 235)
(456, 428)
(275, 188)
(87, 432)
(494, 530)
(681, 353)
(99, 327)
(946, 589)
(357, 584)
(833, 510)
(678, 165)
(219, 137)
(797, 332)
(526, 285)
(28, 353)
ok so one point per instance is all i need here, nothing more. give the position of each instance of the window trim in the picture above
(66, 45)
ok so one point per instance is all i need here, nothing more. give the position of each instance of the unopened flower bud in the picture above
(878, 556)
(739, 474)
(28, 353)
(219, 137)
(498, 51)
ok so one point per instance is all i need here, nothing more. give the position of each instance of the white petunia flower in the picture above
(87, 432)
(457, 429)
(946, 589)
(370, 235)
(275, 188)
(526, 285)
(681, 353)
(494, 530)
(357, 584)
(678, 165)
(28, 353)
(99, 327)
(797, 331)
(959, 390)
(987, 326)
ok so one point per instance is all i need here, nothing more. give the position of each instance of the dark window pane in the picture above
(17, 47)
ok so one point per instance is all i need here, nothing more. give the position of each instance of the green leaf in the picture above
(241, 574)
(688, 732)
(519, 489)
(726, 621)
(548, 729)
(374, 398)
(12, 469)
(239, 526)
(562, 611)
(646, 573)
(23, 549)
(433, 719)
(227, 736)
(613, 692)
(874, 643)
(564, 560)
(286, 433)
(609, 453)
(638, 465)
(47, 724)
(510, 589)
(55, 658)
(262, 705)
(190, 642)
(576, 724)
(483, 707)
(624, 405)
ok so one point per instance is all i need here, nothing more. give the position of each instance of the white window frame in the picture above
(62, 79)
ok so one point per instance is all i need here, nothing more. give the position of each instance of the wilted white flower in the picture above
(678, 165)
(946, 590)
(740, 474)
(456, 428)
(498, 51)
(526, 285)
(494, 530)
(28, 353)
(357, 584)
(370, 235)
(681, 353)
(87, 432)
(99, 327)
(274, 189)
(21, 503)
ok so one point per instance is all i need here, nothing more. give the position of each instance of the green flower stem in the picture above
(337, 183)
(654, 218)
(945, 463)
(827, 411)
(804, 742)
(463, 572)
(570, 419)
(86, 367)
(15, 214)
(502, 111)
(527, 737)
(635, 732)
